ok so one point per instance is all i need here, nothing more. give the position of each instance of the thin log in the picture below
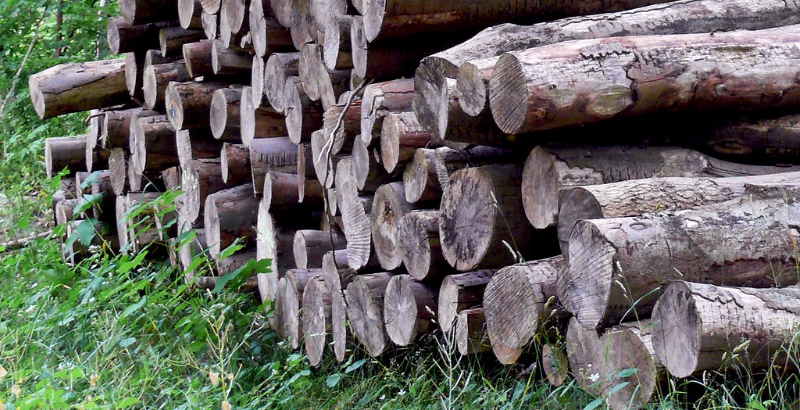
(555, 365)
(310, 246)
(280, 66)
(125, 38)
(267, 33)
(336, 49)
(367, 169)
(365, 301)
(146, 11)
(337, 279)
(197, 143)
(324, 162)
(234, 160)
(118, 166)
(418, 245)
(354, 216)
(317, 81)
(459, 292)
(229, 215)
(257, 80)
(290, 320)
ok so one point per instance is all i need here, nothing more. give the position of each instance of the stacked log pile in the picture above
(552, 188)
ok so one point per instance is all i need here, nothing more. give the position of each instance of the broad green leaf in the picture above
(594, 404)
(134, 307)
(355, 366)
(333, 379)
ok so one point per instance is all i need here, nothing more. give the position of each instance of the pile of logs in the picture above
(542, 191)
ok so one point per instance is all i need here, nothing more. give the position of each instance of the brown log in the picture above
(234, 159)
(459, 292)
(96, 121)
(64, 152)
(379, 100)
(118, 167)
(156, 79)
(197, 143)
(146, 11)
(226, 61)
(317, 81)
(638, 197)
(401, 136)
(367, 169)
(682, 245)
(280, 66)
(125, 38)
(408, 309)
(520, 299)
(152, 145)
(281, 192)
(258, 122)
(189, 103)
(470, 335)
(117, 126)
(303, 116)
(290, 321)
(337, 279)
(766, 139)
(190, 14)
(519, 106)
(700, 327)
(550, 170)
(201, 178)
(172, 39)
(229, 215)
(418, 245)
(101, 185)
(75, 87)
(365, 301)
(225, 114)
(388, 207)
(354, 216)
(191, 249)
(63, 212)
(317, 300)
(210, 25)
(336, 48)
(197, 57)
(140, 227)
(267, 33)
(310, 246)
(172, 178)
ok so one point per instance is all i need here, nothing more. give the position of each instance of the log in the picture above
(765, 139)
(153, 145)
(155, 80)
(367, 169)
(64, 152)
(236, 12)
(678, 245)
(555, 365)
(290, 320)
(280, 66)
(229, 215)
(258, 122)
(225, 116)
(190, 14)
(211, 6)
(210, 25)
(172, 179)
(75, 87)
(172, 39)
(401, 136)
(482, 223)
(303, 29)
(699, 327)
(63, 212)
(231, 31)
(408, 309)
(232, 62)
(336, 47)
(316, 304)
(125, 38)
(101, 185)
(201, 178)
(354, 216)
(365, 301)
(270, 154)
(189, 103)
(310, 246)
(629, 86)
(459, 292)
(134, 73)
(267, 33)
(504, 354)
(191, 249)
(257, 81)
(638, 197)
(282, 9)
(139, 227)
(281, 192)
(197, 143)
(197, 57)
(146, 11)
(337, 279)
(388, 207)
(117, 126)
(319, 83)
(96, 121)
(521, 299)
(418, 245)
(379, 100)
(324, 161)
(470, 333)
(74, 252)
(118, 167)
(303, 116)
(234, 160)
(548, 171)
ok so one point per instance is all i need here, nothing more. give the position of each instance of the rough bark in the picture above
(64, 152)
(379, 100)
(337, 45)
(189, 103)
(317, 300)
(270, 154)
(281, 192)
(197, 57)
(471, 336)
(75, 87)
(401, 136)
(408, 309)
(310, 246)
(745, 242)
(125, 38)
(303, 116)
(521, 298)
(172, 39)
(365, 301)
(153, 145)
(267, 34)
(228, 215)
(280, 66)
(155, 80)
(765, 139)
(146, 11)
(699, 327)
(258, 122)
(560, 85)
(459, 292)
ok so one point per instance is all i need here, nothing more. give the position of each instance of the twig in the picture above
(22, 242)
(22, 66)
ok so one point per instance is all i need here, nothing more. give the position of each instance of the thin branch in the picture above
(22, 66)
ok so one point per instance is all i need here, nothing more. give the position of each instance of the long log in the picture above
(189, 103)
(459, 292)
(699, 327)
(470, 333)
(303, 116)
(765, 139)
(125, 38)
(379, 100)
(267, 33)
(229, 215)
(75, 87)
(365, 301)
(418, 245)
(190, 14)
(280, 66)
(408, 309)
(155, 80)
(290, 320)
(258, 122)
(401, 136)
(317, 300)
(521, 298)
(337, 279)
(638, 197)
(64, 152)
(201, 178)
(755, 234)
(310, 247)
(146, 11)
(525, 97)
(388, 207)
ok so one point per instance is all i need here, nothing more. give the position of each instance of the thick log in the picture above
(146, 11)
(134, 73)
(280, 66)
(64, 152)
(418, 245)
(470, 335)
(388, 207)
(525, 97)
(521, 298)
(317, 300)
(172, 39)
(336, 47)
(290, 320)
(172, 178)
(229, 215)
(189, 103)
(201, 178)
(234, 160)
(152, 145)
(100, 184)
(473, 61)
(638, 197)
(337, 278)
(118, 167)
(190, 14)
(365, 301)
(125, 38)
(379, 100)
(281, 192)
(210, 25)
(303, 116)
(700, 327)
(258, 122)
(197, 143)
(267, 33)
(367, 169)
(75, 87)
(755, 234)
(408, 309)
(345, 122)
(156, 79)
(270, 154)
(63, 211)
(482, 222)
(303, 29)
(117, 126)
(548, 171)
(225, 117)
(317, 81)
(211, 6)
(197, 57)
(354, 216)
(310, 247)
(401, 136)
(459, 292)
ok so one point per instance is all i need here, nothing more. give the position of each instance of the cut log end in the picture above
(576, 204)
(679, 345)
(431, 99)
(365, 311)
(590, 274)
(540, 189)
(317, 302)
(471, 86)
(508, 94)
(554, 365)
(407, 309)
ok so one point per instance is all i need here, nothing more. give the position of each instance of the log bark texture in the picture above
(188, 104)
